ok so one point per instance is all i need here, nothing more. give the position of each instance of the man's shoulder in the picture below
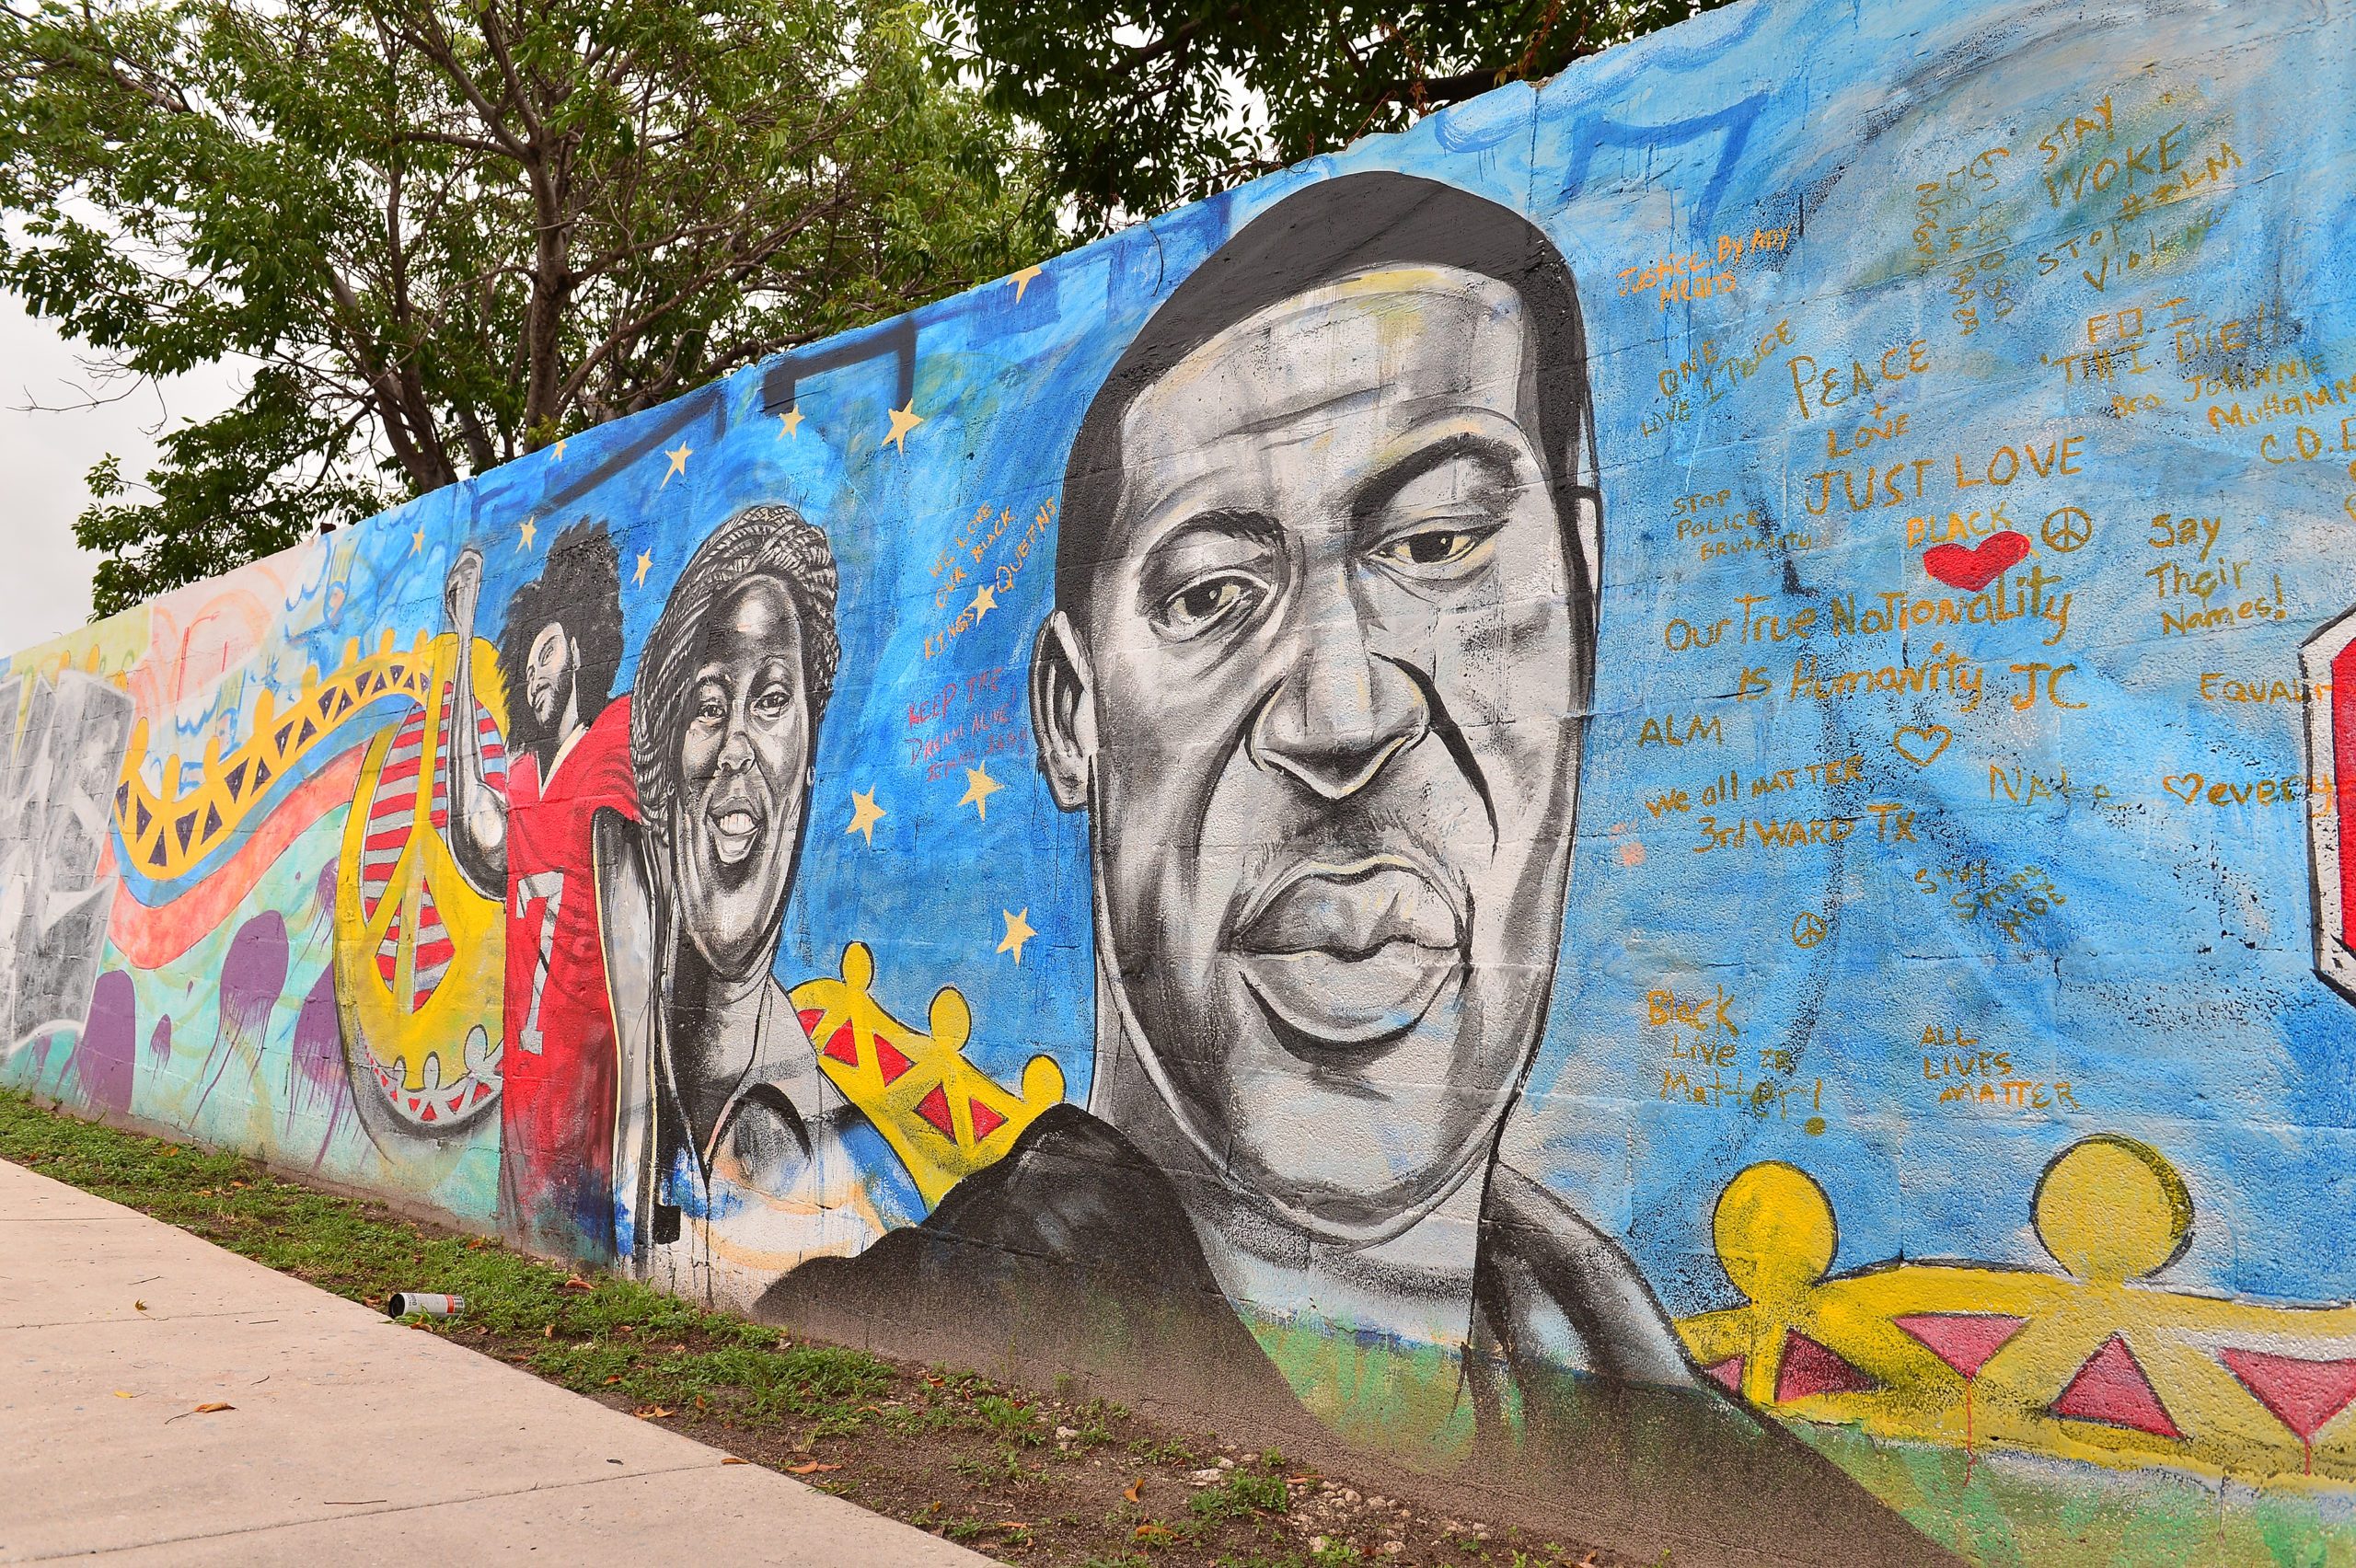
(1608, 1393)
(613, 720)
(1072, 1254)
(607, 741)
(1075, 1191)
(596, 771)
(1072, 1198)
(1558, 1289)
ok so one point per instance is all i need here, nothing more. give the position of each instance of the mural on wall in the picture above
(1639, 796)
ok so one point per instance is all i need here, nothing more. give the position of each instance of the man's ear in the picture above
(1063, 710)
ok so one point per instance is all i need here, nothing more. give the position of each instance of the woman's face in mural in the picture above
(1336, 762)
(744, 765)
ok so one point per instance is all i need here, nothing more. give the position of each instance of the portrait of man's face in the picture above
(1333, 661)
(742, 755)
(548, 682)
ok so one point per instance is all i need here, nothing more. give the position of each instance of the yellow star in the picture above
(417, 542)
(979, 788)
(1018, 931)
(1023, 280)
(865, 815)
(524, 542)
(645, 560)
(985, 601)
(559, 449)
(904, 421)
(678, 455)
(790, 423)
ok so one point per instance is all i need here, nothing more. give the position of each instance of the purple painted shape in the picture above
(316, 1072)
(253, 973)
(109, 1048)
(251, 977)
(318, 1042)
(322, 906)
(160, 1043)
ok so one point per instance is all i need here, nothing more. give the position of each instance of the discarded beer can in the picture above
(428, 1303)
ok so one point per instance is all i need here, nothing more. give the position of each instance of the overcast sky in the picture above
(44, 578)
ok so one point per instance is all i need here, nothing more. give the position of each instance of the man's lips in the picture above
(1352, 954)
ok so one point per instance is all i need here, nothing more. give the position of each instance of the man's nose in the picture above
(1342, 712)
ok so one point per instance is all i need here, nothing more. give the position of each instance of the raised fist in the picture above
(462, 590)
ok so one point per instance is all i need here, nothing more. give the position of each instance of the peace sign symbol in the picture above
(2067, 529)
(417, 950)
(1809, 928)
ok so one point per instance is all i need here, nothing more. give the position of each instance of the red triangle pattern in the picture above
(1727, 1375)
(842, 1047)
(2111, 1388)
(1812, 1369)
(2302, 1394)
(934, 1108)
(811, 1018)
(986, 1120)
(1964, 1341)
(889, 1062)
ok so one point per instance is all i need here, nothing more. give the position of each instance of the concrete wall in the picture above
(1636, 798)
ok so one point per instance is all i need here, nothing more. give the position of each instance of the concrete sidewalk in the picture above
(353, 1440)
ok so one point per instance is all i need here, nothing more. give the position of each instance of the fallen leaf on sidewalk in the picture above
(206, 1409)
(612, 1381)
(813, 1468)
(139, 1306)
(733, 1459)
(1133, 1488)
(576, 1283)
(652, 1413)
(548, 1331)
(121, 1395)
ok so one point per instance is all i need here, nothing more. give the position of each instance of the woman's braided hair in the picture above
(760, 541)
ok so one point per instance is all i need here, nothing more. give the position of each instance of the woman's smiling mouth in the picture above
(736, 821)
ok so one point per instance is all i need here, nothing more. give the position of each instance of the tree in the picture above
(1146, 104)
(447, 232)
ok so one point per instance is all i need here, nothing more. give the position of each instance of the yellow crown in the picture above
(2090, 1363)
(944, 1117)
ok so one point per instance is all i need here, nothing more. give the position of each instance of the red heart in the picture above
(1972, 567)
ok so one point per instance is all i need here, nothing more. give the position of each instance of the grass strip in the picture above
(1018, 1476)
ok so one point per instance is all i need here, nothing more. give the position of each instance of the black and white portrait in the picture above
(724, 1111)
(1318, 672)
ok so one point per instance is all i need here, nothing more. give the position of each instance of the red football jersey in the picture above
(557, 1105)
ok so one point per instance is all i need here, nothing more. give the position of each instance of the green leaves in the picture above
(447, 232)
(1146, 104)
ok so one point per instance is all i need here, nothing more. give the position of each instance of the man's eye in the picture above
(1435, 548)
(711, 710)
(770, 703)
(1200, 605)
